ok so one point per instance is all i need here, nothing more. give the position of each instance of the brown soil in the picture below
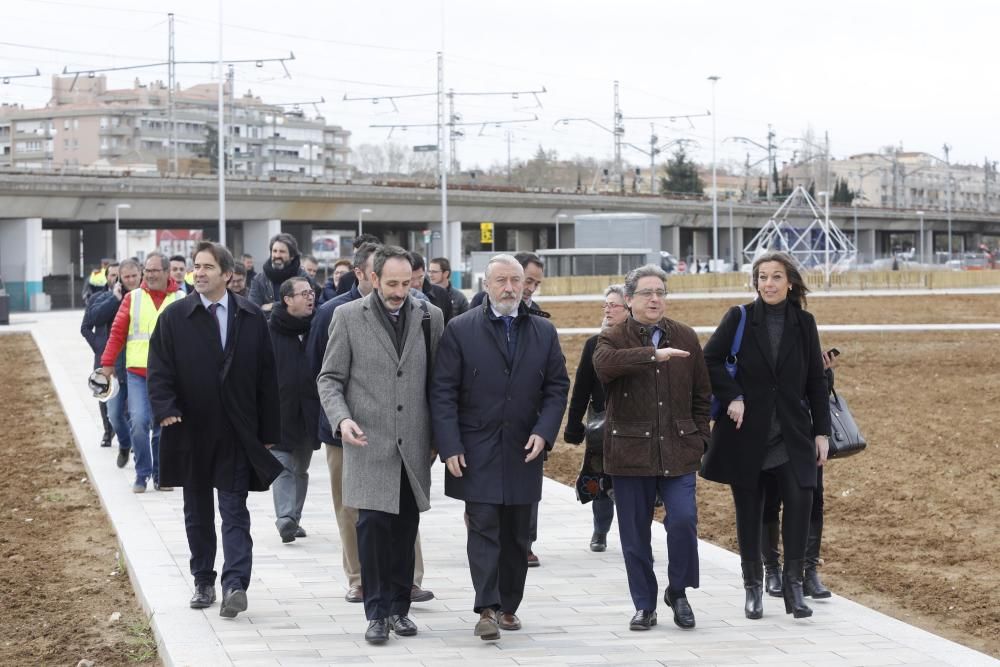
(828, 310)
(60, 578)
(911, 524)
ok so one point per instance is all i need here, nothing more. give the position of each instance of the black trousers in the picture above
(386, 551)
(199, 523)
(498, 544)
(797, 505)
(772, 498)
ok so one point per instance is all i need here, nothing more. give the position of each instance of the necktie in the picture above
(214, 310)
(508, 321)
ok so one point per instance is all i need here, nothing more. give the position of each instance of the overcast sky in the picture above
(869, 72)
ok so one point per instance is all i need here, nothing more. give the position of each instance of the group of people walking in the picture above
(231, 395)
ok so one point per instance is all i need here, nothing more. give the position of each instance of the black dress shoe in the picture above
(402, 625)
(378, 631)
(683, 615)
(122, 460)
(300, 532)
(204, 596)
(233, 602)
(643, 620)
(599, 542)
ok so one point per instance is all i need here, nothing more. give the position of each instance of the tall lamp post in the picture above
(118, 207)
(920, 216)
(826, 235)
(361, 218)
(715, 189)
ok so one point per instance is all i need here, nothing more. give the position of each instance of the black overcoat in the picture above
(299, 398)
(796, 386)
(228, 399)
(485, 408)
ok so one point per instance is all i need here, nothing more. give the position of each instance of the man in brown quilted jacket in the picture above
(658, 398)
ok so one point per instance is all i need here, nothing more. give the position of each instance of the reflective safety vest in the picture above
(97, 278)
(142, 321)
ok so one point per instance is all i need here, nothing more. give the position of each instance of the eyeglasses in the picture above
(305, 294)
(611, 306)
(650, 293)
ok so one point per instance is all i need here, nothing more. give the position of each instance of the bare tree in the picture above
(395, 157)
(369, 158)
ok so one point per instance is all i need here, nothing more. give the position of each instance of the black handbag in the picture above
(846, 439)
(594, 431)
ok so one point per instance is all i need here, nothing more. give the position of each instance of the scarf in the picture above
(287, 324)
(278, 276)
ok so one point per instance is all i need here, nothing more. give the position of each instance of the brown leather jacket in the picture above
(657, 413)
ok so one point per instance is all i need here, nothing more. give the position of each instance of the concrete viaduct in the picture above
(80, 211)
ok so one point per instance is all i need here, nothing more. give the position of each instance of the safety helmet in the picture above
(102, 388)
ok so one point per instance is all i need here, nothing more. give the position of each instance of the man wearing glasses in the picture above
(658, 397)
(299, 403)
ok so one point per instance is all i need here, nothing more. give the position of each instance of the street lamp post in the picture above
(826, 235)
(361, 218)
(118, 207)
(558, 218)
(920, 215)
(715, 187)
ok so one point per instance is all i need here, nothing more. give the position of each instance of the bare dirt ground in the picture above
(60, 576)
(912, 524)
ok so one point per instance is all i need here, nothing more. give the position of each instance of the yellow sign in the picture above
(486, 232)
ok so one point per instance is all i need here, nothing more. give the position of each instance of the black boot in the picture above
(811, 585)
(791, 589)
(770, 534)
(753, 574)
(108, 431)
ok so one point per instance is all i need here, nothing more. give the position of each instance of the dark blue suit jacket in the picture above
(486, 408)
(319, 336)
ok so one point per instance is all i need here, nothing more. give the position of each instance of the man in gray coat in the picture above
(373, 388)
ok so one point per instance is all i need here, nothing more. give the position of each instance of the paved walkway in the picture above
(576, 606)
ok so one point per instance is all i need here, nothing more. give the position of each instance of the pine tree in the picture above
(682, 175)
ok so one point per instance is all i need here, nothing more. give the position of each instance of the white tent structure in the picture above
(805, 232)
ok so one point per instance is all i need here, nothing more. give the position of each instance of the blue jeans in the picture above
(118, 414)
(604, 514)
(635, 498)
(145, 434)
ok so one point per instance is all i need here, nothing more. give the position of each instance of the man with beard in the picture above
(214, 392)
(289, 327)
(373, 387)
(283, 264)
(497, 401)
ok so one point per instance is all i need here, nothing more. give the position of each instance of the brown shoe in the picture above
(533, 559)
(508, 621)
(355, 594)
(487, 628)
(418, 594)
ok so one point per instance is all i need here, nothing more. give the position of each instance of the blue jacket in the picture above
(97, 319)
(319, 336)
(486, 408)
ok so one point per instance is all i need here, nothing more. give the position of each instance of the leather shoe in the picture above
(356, 594)
(378, 631)
(286, 529)
(683, 614)
(160, 487)
(643, 620)
(300, 532)
(204, 596)
(487, 627)
(418, 594)
(122, 459)
(533, 559)
(233, 602)
(402, 625)
(508, 621)
(599, 542)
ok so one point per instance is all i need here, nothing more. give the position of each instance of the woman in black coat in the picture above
(776, 421)
(588, 401)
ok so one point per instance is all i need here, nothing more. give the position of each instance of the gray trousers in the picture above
(289, 489)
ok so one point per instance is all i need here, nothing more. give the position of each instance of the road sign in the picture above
(486, 232)
(427, 236)
(425, 148)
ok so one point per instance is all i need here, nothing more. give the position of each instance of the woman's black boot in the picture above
(795, 602)
(811, 585)
(769, 549)
(753, 575)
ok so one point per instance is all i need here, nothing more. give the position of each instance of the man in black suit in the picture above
(213, 390)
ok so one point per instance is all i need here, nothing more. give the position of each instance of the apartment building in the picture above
(87, 127)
